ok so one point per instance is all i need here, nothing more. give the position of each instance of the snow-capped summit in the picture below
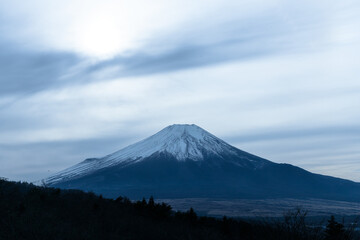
(182, 141)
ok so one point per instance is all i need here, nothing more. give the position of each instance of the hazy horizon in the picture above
(277, 79)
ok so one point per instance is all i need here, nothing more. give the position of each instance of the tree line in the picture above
(32, 212)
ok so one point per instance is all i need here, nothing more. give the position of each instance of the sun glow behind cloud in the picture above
(99, 29)
(104, 29)
(101, 36)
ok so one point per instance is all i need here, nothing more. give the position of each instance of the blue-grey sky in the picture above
(82, 79)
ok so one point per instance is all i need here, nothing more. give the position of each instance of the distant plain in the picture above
(265, 207)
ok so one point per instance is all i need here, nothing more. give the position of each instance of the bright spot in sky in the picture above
(102, 36)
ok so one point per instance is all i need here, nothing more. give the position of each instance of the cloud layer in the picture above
(274, 79)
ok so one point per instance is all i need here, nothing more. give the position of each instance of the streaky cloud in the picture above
(29, 72)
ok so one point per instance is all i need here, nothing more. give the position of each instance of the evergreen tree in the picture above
(151, 202)
(191, 214)
(334, 230)
(143, 202)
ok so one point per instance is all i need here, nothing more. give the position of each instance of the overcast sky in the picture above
(80, 79)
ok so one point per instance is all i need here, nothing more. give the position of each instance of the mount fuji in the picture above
(185, 161)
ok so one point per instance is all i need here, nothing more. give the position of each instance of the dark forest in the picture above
(32, 212)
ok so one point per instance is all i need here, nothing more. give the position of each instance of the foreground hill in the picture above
(30, 212)
(185, 161)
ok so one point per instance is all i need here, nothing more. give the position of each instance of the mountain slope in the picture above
(187, 161)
